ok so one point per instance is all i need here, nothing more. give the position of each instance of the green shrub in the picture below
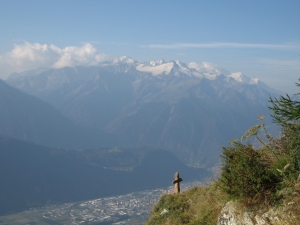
(247, 173)
(291, 143)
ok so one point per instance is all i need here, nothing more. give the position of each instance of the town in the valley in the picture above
(133, 208)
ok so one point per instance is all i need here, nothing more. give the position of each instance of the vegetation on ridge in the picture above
(199, 205)
(257, 178)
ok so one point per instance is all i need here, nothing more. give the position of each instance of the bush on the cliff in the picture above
(247, 174)
(258, 175)
(286, 112)
(291, 144)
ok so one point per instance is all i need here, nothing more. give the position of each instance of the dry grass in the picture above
(199, 205)
(202, 206)
(291, 205)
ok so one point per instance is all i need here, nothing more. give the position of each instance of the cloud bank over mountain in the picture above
(30, 56)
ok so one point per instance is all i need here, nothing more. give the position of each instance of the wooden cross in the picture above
(176, 183)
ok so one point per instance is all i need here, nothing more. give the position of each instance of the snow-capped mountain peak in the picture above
(156, 69)
(240, 77)
(124, 59)
(156, 62)
(176, 68)
(160, 67)
(254, 80)
(207, 70)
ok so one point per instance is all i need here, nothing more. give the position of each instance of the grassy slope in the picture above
(202, 206)
(199, 205)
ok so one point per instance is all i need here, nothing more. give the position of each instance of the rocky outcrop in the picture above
(234, 214)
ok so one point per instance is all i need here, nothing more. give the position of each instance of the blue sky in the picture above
(258, 38)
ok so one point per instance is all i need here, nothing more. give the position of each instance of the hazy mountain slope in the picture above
(88, 96)
(33, 175)
(28, 118)
(190, 110)
(191, 120)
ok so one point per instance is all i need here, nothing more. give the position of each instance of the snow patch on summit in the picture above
(254, 81)
(179, 69)
(240, 77)
(123, 59)
(156, 62)
(160, 67)
(207, 70)
(155, 69)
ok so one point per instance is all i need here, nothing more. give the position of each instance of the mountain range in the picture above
(190, 110)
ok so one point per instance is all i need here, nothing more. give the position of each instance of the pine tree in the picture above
(285, 110)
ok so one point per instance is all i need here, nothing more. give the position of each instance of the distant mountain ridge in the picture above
(174, 68)
(191, 110)
(26, 117)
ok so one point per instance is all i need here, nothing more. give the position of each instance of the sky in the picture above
(258, 38)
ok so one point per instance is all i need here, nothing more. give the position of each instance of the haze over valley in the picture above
(121, 123)
(188, 110)
(100, 99)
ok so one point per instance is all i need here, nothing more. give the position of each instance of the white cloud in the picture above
(224, 45)
(34, 55)
(207, 67)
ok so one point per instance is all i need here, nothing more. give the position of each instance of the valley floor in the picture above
(133, 208)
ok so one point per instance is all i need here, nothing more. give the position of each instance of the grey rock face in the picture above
(232, 214)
